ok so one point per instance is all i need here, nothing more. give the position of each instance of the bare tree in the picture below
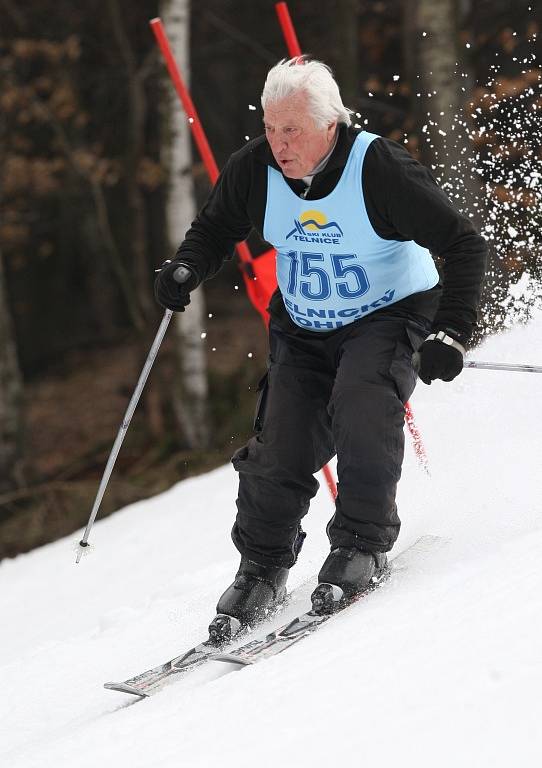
(135, 144)
(10, 397)
(190, 395)
(442, 83)
(434, 38)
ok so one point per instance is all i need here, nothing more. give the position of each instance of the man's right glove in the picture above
(439, 357)
(173, 284)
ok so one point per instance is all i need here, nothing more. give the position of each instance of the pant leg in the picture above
(374, 379)
(293, 441)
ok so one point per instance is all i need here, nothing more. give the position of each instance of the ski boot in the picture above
(346, 572)
(256, 591)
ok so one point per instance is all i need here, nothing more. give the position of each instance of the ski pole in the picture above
(181, 274)
(518, 367)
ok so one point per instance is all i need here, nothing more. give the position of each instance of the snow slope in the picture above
(440, 667)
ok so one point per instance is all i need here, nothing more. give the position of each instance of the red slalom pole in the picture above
(288, 30)
(330, 480)
(416, 438)
(294, 49)
(193, 119)
(188, 105)
(208, 157)
(212, 168)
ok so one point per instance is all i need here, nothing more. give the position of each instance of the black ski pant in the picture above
(340, 394)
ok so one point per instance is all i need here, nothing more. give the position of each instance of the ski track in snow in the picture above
(439, 667)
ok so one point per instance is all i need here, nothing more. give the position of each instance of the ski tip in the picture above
(125, 688)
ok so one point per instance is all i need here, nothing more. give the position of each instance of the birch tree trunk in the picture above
(437, 58)
(190, 396)
(435, 53)
(10, 397)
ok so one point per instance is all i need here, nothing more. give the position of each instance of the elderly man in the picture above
(354, 220)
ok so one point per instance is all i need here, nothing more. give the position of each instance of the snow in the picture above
(440, 667)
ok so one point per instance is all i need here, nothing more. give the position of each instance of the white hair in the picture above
(297, 75)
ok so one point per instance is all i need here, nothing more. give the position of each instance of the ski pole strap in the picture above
(443, 336)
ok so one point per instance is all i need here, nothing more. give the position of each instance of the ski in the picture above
(152, 680)
(244, 654)
(305, 624)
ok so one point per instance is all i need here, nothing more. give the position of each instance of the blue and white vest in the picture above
(332, 267)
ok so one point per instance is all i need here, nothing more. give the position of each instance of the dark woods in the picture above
(83, 189)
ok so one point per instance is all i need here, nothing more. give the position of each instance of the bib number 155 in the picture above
(350, 280)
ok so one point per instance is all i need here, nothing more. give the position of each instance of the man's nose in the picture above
(279, 143)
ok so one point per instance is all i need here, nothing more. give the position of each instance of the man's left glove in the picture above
(439, 357)
(173, 284)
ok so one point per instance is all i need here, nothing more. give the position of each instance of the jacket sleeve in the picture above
(221, 223)
(404, 202)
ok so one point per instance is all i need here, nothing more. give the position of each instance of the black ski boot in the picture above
(346, 572)
(256, 591)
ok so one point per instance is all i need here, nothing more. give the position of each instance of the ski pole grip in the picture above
(181, 274)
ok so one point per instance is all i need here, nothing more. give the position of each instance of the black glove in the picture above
(173, 284)
(439, 357)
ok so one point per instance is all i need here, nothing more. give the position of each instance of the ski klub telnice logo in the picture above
(313, 227)
(322, 288)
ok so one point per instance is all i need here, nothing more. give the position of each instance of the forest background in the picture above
(99, 181)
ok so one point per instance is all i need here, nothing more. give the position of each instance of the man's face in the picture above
(296, 142)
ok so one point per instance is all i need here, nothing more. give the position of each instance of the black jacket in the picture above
(403, 203)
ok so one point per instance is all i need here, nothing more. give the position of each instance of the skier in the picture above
(354, 220)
